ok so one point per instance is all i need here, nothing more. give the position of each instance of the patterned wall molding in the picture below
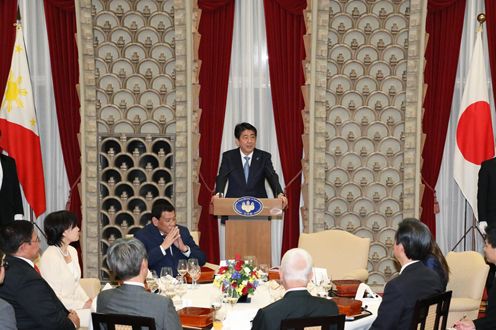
(365, 123)
(89, 150)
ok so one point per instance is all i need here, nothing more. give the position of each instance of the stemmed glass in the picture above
(182, 268)
(232, 296)
(193, 271)
(165, 272)
(216, 304)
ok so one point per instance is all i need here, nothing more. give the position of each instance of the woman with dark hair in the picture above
(59, 264)
(435, 260)
(7, 316)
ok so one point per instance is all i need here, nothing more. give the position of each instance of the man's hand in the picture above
(180, 244)
(464, 324)
(88, 303)
(214, 197)
(283, 199)
(74, 318)
(170, 238)
(482, 227)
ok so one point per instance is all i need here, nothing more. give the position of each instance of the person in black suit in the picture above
(7, 315)
(166, 242)
(489, 321)
(415, 281)
(258, 166)
(35, 304)
(295, 273)
(10, 191)
(486, 207)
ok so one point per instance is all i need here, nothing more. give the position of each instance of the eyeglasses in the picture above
(4, 264)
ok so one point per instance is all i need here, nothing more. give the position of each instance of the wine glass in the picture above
(219, 316)
(264, 272)
(232, 296)
(251, 260)
(165, 274)
(182, 267)
(194, 272)
(193, 268)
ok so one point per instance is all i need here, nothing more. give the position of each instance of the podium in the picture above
(248, 235)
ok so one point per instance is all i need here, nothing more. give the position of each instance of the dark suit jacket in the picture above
(134, 300)
(294, 304)
(401, 294)
(486, 192)
(10, 192)
(36, 305)
(261, 168)
(488, 322)
(151, 238)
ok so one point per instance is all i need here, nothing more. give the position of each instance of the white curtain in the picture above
(456, 214)
(249, 98)
(35, 35)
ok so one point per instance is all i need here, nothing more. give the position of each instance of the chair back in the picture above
(196, 236)
(429, 311)
(468, 273)
(121, 321)
(324, 322)
(344, 255)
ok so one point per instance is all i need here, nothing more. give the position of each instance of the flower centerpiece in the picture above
(238, 275)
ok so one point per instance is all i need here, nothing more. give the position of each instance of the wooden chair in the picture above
(429, 311)
(121, 321)
(324, 322)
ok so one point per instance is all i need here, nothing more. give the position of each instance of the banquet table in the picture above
(240, 315)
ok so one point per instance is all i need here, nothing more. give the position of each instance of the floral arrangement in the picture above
(239, 275)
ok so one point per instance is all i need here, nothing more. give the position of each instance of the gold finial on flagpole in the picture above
(481, 18)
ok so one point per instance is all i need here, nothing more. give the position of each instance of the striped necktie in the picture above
(246, 167)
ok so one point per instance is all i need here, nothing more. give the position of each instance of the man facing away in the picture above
(126, 259)
(246, 168)
(415, 281)
(489, 321)
(166, 242)
(35, 304)
(295, 273)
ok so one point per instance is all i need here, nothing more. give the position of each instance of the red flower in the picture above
(245, 290)
(239, 265)
(234, 284)
(222, 269)
(237, 257)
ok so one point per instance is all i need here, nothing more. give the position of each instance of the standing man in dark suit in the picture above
(486, 194)
(486, 205)
(166, 242)
(489, 321)
(35, 304)
(295, 273)
(127, 261)
(246, 168)
(10, 191)
(415, 281)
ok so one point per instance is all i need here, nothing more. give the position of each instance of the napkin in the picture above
(320, 275)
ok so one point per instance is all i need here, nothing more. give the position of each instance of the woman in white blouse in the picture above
(59, 264)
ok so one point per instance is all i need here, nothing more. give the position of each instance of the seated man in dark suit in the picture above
(415, 281)
(489, 321)
(35, 304)
(166, 242)
(127, 261)
(295, 272)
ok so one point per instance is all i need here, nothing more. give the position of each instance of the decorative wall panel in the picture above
(365, 119)
(134, 45)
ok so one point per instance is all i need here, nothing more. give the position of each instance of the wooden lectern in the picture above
(248, 236)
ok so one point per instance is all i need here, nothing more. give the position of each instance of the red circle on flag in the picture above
(474, 134)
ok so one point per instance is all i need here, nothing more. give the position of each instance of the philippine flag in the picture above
(19, 128)
(474, 132)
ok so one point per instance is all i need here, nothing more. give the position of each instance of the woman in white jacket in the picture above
(59, 264)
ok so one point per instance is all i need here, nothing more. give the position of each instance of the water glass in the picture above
(194, 272)
(182, 267)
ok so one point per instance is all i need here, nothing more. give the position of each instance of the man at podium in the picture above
(246, 168)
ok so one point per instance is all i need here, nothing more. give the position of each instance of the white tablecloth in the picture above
(239, 317)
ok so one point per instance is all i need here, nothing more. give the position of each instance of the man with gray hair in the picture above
(127, 260)
(295, 273)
